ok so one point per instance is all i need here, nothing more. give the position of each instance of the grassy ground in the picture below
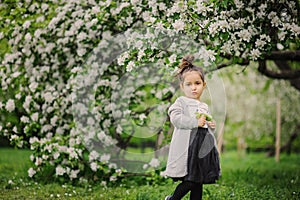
(252, 176)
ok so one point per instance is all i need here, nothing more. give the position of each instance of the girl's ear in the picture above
(204, 84)
(181, 85)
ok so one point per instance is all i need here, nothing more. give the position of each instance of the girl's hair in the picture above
(187, 65)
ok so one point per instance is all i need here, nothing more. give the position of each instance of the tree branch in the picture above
(284, 55)
(222, 65)
(227, 64)
(285, 74)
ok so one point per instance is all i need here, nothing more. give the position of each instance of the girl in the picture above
(193, 156)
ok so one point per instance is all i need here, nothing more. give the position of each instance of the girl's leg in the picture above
(196, 192)
(182, 189)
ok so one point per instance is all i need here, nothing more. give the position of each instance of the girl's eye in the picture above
(198, 83)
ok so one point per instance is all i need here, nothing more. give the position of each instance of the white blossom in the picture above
(122, 58)
(26, 24)
(105, 158)
(94, 155)
(94, 166)
(24, 119)
(72, 153)
(112, 166)
(73, 174)
(154, 162)
(145, 166)
(172, 58)
(119, 129)
(281, 35)
(142, 117)
(59, 170)
(32, 157)
(10, 105)
(103, 183)
(48, 96)
(15, 129)
(38, 161)
(178, 25)
(35, 117)
(31, 172)
(56, 155)
(130, 66)
(112, 178)
(33, 86)
(255, 54)
(279, 46)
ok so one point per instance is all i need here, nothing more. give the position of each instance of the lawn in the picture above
(253, 176)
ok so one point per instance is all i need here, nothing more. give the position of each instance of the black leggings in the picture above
(184, 187)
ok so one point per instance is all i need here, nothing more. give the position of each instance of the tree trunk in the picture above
(287, 147)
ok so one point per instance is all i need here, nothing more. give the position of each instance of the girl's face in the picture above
(192, 85)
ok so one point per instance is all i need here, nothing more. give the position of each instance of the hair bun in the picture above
(189, 58)
(187, 62)
(187, 65)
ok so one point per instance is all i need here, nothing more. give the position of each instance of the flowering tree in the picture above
(63, 64)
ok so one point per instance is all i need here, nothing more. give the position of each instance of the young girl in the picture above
(193, 156)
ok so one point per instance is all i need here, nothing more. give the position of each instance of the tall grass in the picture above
(252, 176)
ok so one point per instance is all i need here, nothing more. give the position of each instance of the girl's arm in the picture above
(179, 119)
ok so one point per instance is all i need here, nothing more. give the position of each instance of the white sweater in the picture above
(183, 117)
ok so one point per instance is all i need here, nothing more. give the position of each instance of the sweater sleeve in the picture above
(179, 119)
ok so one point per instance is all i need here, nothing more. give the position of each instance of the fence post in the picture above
(278, 128)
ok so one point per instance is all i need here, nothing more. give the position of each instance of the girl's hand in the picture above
(211, 124)
(201, 121)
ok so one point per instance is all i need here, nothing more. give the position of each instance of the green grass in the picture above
(252, 176)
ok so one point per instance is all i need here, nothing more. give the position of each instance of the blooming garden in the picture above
(80, 80)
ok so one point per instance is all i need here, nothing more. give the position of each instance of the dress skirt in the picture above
(203, 158)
